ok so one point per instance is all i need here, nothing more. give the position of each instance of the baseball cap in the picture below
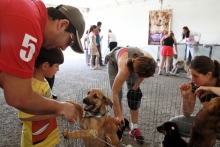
(77, 20)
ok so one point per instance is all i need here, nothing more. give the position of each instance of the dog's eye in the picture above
(95, 96)
(88, 93)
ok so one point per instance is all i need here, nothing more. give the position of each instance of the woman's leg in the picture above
(91, 60)
(96, 62)
(134, 101)
(194, 51)
(162, 59)
(168, 59)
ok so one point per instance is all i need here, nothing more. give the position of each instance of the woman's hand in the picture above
(121, 119)
(202, 91)
(185, 89)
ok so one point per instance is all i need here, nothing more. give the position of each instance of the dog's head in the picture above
(169, 129)
(180, 64)
(95, 101)
(161, 18)
(213, 106)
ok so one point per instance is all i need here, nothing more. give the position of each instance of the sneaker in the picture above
(167, 74)
(136, 134)
(160, 72)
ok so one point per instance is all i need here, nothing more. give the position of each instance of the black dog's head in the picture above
(123, 128)
(169, 129)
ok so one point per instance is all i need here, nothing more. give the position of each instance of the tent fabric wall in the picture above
(130, 22)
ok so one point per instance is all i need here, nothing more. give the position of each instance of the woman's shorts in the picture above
(166, 51)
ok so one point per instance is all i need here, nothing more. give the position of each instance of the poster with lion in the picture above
(159, 25)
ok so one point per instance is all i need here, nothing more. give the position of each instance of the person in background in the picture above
(189, 38)
(132, 65)
(98, 39)
(166, 52)
(112, 42)
(205, 72)
(52, 27)
(86, 46)
(42, 130)
(93, 50)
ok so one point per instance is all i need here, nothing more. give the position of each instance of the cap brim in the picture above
(77, 47)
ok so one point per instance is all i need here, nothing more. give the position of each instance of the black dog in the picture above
(126, 126)
(172, 136)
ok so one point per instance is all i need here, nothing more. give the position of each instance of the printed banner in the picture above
(159, 25)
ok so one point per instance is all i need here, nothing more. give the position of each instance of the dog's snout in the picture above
(85, 101)
(159, 129)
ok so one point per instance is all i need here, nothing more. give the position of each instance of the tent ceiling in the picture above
(92, 4)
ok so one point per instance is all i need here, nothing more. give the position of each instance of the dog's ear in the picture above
(108, 101)
(214, 110)
(205, 104)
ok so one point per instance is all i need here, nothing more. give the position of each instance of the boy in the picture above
(42, 130)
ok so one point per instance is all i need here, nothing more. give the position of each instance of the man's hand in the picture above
(68, 110)
(19, 94)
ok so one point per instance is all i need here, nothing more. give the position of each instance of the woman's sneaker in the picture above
(136, 134)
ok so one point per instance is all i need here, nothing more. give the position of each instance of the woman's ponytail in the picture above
(130, 64)
(217, 69)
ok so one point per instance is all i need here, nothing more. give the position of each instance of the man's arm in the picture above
(19, 94)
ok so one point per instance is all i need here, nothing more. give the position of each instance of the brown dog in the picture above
(97, 128)
(206, 124)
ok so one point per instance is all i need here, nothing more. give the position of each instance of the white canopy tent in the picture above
(129, 19)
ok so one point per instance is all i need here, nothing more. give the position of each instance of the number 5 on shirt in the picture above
(24, 54)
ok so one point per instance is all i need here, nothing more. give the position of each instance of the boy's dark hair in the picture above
(52, 56)
(99, 23)
(55, 14)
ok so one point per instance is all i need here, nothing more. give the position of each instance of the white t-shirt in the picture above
(91, 43)
(112, 37)
(191, 39)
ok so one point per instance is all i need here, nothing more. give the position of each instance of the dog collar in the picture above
(90, 114)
